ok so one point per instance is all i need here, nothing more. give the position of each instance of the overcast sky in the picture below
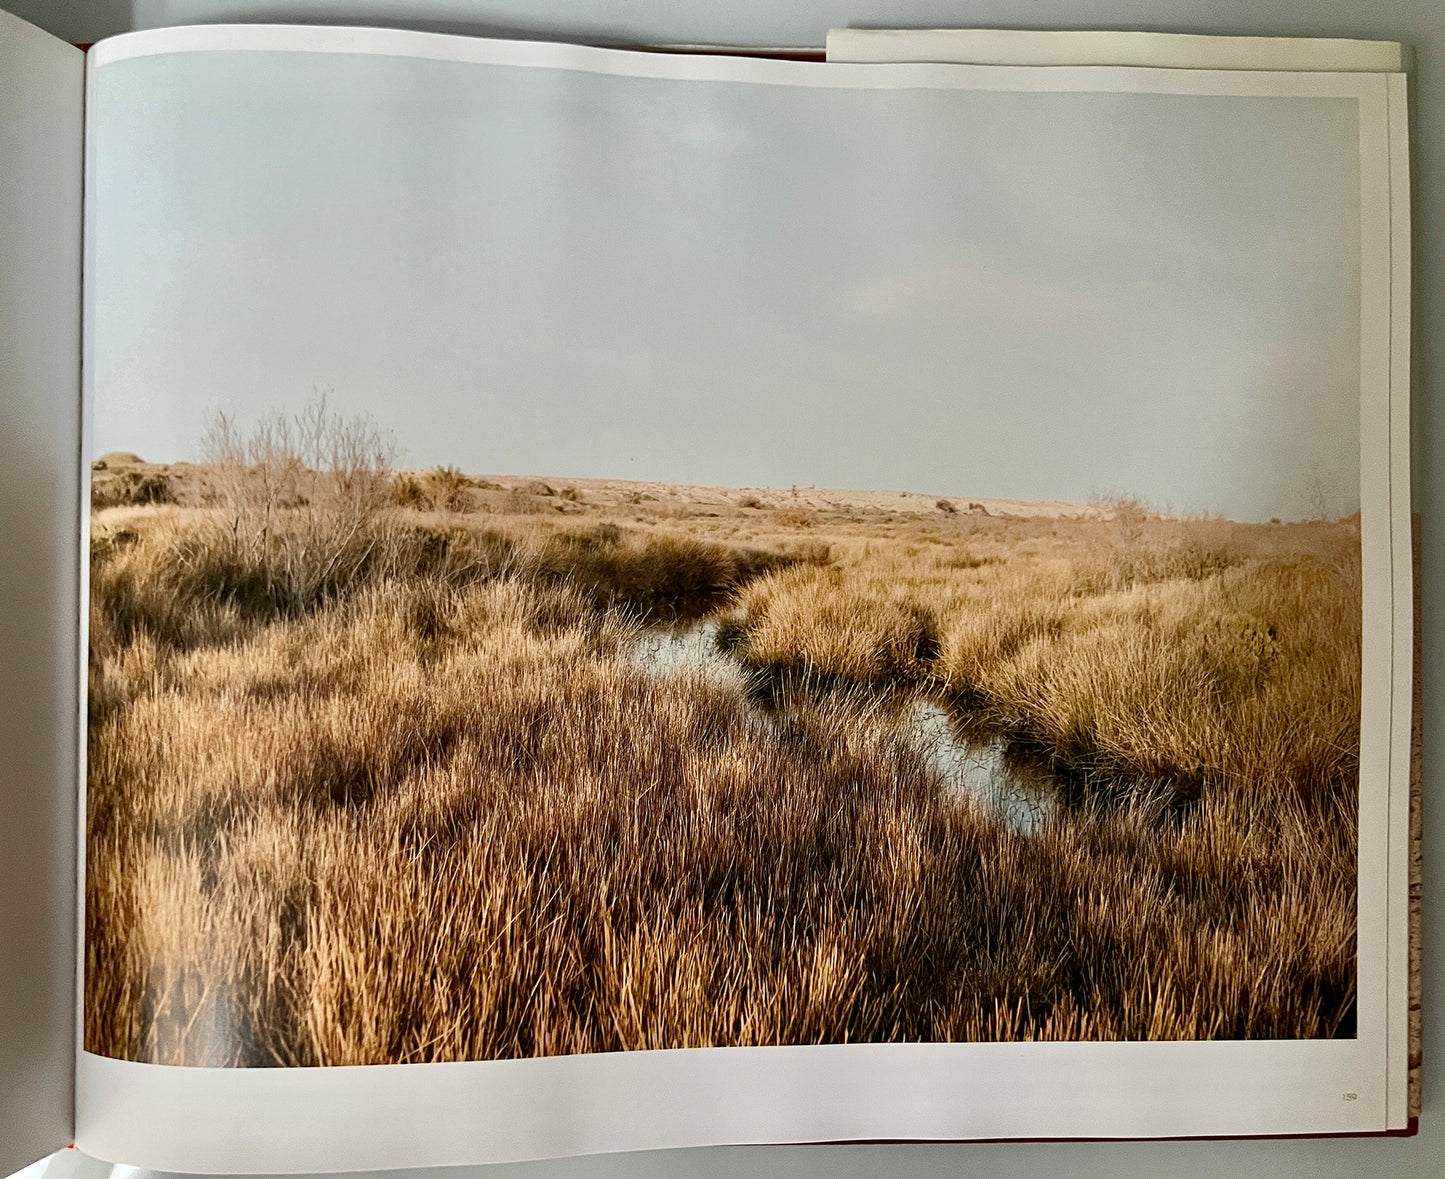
(1034, 296)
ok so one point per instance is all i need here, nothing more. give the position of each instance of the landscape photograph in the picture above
(573, 570)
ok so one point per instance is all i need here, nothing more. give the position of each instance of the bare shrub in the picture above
(1128, 514)
(312, 458)
(298, 493)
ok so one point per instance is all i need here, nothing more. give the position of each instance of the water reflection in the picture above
(1020, 796)
(686, 650)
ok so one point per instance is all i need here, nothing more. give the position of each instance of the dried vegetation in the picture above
(376, 782)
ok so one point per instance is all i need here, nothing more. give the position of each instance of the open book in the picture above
(651, 599)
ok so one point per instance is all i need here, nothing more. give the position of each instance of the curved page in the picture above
(644, 601)
(41, 107)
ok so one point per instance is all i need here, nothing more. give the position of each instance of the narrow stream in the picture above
(1019, 796)
(689, 649)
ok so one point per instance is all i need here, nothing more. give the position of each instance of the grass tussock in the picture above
(820, 625)
(657, 576)
(442, 489)
(394, 790)
(131, 487)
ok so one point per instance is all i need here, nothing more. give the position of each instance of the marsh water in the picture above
(1019, 795)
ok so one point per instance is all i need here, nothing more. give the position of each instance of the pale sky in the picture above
(1031, 296)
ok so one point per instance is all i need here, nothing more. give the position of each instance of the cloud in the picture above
(970, 292)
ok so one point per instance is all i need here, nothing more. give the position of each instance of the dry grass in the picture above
(1165, 655)
(398, 793)
(129, 487)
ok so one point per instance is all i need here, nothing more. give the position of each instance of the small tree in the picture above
(298, 491)
(313, 458)
(1317, 493)
(352, 457)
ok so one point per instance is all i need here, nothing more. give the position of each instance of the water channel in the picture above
(1020, 796)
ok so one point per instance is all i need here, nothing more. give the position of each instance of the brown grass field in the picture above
(374, 779)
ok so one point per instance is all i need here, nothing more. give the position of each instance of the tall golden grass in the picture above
(397, 792)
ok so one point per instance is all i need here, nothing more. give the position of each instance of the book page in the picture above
(645, 601)
(1116, 48)
(40, 231)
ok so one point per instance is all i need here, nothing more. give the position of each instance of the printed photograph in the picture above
(584, 563)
